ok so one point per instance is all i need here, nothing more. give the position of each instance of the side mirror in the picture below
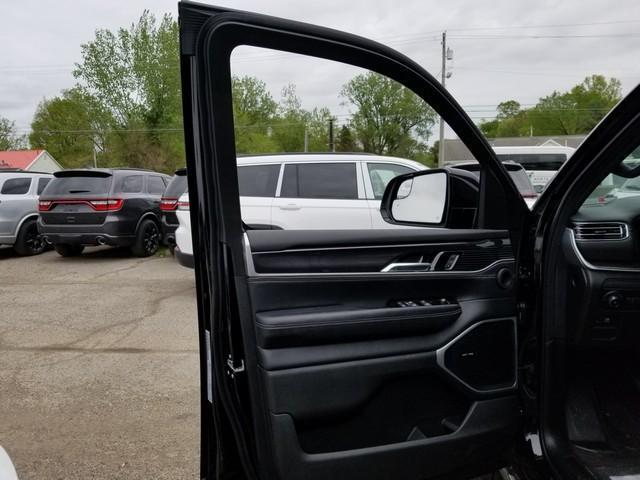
(417, 199)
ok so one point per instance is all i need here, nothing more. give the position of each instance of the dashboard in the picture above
(602, 248)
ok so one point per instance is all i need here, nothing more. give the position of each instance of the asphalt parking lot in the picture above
(98, 366)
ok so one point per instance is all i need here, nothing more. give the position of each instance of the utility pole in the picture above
(306, 139)
(447, 54)
(95, 160)
(332, 145)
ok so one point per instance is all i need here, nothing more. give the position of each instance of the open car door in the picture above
(346, 354)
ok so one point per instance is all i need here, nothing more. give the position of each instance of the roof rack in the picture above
(113, 169)
(20, 170)
(240, 155)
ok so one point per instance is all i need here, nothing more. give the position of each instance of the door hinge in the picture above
(234, 367)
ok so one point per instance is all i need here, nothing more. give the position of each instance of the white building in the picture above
(32, 160)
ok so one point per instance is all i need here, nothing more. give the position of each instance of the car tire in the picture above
(67, 250)
(29, 241)
(147, 239)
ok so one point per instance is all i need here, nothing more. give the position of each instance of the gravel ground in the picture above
(98, 366)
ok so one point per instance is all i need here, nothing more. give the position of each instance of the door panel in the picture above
(353, 378)
(359, 353)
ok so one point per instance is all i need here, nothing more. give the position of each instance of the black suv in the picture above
(117, 207)
(169, 204)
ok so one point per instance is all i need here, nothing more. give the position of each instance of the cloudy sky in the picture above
(503, 49)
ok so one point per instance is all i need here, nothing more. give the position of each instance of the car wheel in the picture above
(29, 241)
(147, 239)
(67, 250)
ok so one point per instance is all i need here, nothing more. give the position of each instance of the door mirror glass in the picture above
(417, 198)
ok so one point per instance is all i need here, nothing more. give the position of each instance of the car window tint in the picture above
(381, 173)
(258, 180)
(131, 184)
(521, 179)
(156, 186)
(535, 161)
(177, 186)
(42, 182)
(79, 185)
(16, 186)
(320, 180)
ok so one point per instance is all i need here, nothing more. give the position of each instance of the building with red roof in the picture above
(32, 160)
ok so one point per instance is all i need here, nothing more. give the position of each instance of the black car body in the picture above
(169, 203)
(116, 207)
(494, 337)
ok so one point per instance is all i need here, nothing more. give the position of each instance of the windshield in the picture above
(536, 161)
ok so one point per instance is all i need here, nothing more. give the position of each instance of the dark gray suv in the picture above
(117, 207)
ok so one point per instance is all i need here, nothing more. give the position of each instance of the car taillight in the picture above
(109, 205)
(44, 205)
(168, 204)
(183, 205)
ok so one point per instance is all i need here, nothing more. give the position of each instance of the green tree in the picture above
(70, 127)
(345, 141)
(254, 113)
(134, 75)
(511, 121)
(318, 129)
(389, 118)
(575, 111)
(9, 137)
(291, 124)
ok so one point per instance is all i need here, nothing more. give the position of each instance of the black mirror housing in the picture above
(458, 199)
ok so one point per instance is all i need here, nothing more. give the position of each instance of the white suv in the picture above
(304, 191)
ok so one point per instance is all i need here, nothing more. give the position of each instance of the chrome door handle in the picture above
(407, 267)
(289, 206)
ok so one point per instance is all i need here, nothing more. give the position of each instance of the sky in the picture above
(503, 49)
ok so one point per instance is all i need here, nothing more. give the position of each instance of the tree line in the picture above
(125, 110)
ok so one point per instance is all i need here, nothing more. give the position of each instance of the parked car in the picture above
(19, 192)
(517, 174)
(169, 203)
(117, 207)
(541, 162)
(507, 341)
(7, 469)
(303, 191)
(184, 244)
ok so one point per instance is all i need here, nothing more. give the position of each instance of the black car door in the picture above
(328, 354)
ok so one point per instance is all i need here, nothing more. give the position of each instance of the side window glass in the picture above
(156, 185)
(381, 173)
(320, 180)
(258, 180)
(131, 184)
(42, 182)
(616, 194)
(16, 186)
(336, 129)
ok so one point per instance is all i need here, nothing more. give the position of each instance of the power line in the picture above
(556, 25)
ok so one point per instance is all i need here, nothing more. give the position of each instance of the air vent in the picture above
(601, 231)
